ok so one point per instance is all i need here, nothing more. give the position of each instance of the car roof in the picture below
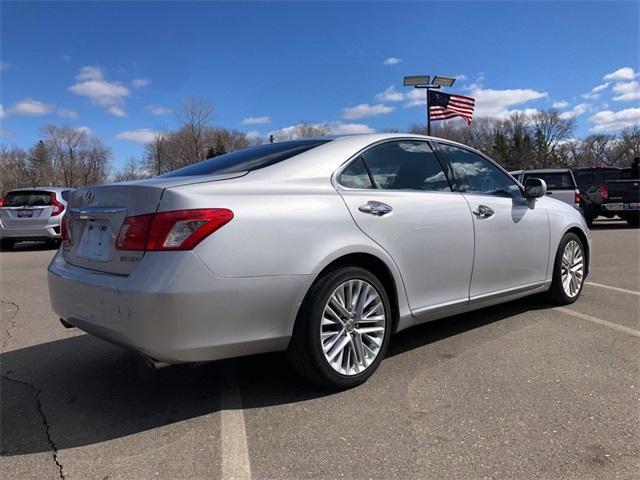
(547, 170)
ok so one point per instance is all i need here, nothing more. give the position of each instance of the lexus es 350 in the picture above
(321, 247)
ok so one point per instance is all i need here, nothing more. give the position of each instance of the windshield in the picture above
(248, 159)
(27, 198)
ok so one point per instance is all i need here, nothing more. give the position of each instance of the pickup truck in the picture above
(610, 191)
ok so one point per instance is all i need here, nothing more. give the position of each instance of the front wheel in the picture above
(568, 270)
(343, 329)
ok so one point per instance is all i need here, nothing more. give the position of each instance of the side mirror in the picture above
(535, 188)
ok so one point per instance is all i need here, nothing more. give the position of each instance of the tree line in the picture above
(74, 157)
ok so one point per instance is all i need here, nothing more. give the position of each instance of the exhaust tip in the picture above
(154, 364)
(66, 324)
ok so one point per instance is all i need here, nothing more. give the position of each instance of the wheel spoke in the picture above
(571, 268)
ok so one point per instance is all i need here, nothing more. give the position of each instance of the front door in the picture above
(511, 232)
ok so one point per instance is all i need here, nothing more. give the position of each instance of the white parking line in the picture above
(599, 321)
(617, 289)
(235, 453)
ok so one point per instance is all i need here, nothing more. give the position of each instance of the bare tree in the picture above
(195, 117)
(132, 170)
(301, 130)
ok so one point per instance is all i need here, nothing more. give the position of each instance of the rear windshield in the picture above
(554, 181)
(27, 198)
(596, 175)
(248, 159)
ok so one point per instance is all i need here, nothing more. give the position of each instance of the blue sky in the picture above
(120, 69)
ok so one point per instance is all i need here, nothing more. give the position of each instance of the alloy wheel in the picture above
(353, 327)
(572, 268)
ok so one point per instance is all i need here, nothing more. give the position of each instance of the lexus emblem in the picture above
(88, 197)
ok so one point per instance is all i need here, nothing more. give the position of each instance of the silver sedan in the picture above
(321, 247)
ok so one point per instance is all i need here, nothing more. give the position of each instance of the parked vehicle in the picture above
(560, 183)
(32, 214)
(321, 247)
(610, 191)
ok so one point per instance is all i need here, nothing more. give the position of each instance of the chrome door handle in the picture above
(375, 208)
(483, 211)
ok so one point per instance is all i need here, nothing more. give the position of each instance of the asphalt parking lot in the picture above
(518, 391)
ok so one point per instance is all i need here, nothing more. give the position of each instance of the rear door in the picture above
(511, 233)
(399, 195)
(26, 209)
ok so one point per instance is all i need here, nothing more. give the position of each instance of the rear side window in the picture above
(65, 195)
(27, 198)
(248, 159)
(405, 165)
(554, 181)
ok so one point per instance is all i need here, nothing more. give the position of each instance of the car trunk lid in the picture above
(96, 215)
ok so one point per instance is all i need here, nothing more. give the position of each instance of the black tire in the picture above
(588, 218)
(6, 244)
(556, 293)
(633, 221)
(305, 349)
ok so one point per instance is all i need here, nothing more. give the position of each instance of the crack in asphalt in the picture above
(12, 322)
(47, 429)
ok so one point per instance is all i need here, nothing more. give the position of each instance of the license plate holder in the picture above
(614, 206)
(25, 213)
(94, 244)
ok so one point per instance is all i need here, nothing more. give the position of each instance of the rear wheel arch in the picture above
(378, 268)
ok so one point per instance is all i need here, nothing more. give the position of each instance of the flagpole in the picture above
(428, 114)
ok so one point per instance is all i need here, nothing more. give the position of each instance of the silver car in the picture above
(32, 214)
(321, 247)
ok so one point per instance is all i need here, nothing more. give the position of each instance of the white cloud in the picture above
(85, 130)
(90, 73)
(140, 82)
(339, 128)
(594, 93)
(416, 98)
(392, 61)
(365, 110)
(608, 120)
(575, 111)
(253, 134)
(66, 113)
(461, 78)
(3, 112)
(141, 135)
(390, 95)
(560, 104)
(498, 103)
(93, 85)
(159, 109)
(4, 66)
(31, 108)
(256, 120)
(624, 73)
(627, 91)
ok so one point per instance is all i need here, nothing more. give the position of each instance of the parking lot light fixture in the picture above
(422, 81)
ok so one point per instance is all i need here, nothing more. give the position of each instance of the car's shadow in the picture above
(34, 246)
(80, 390)
(611, 224)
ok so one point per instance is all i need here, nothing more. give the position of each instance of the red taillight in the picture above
(58, 208)
(604, 192)
(1, 201)
(176, 230)
(65, 233)
(576, 199)
(134, 232)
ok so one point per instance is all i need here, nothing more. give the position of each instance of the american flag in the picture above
(443, 106)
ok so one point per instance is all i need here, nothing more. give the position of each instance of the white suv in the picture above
(32, 214)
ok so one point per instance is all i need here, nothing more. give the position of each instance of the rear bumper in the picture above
(47, 232)
(173, 309)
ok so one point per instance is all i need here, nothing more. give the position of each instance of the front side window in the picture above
(405, 165)
(475, 174)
